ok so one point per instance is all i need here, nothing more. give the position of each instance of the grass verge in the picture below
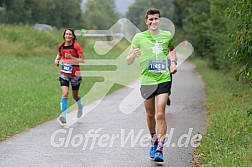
(227, 141)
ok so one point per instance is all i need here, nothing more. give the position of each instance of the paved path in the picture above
(107, 137)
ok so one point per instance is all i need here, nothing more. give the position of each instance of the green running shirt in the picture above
(153, 47)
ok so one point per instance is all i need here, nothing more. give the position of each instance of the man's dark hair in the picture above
(70, 29)
(152, 11)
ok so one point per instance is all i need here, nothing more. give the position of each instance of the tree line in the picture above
(220, 31)
(57, 13)
(99, 14)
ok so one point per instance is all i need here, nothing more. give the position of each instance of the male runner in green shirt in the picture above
(152, 48)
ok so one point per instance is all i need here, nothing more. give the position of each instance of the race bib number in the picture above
(67, 68)
(157, 66)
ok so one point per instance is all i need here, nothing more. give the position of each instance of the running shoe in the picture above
(62, 120)
(153, 149)
(79, 113)
(158, 157)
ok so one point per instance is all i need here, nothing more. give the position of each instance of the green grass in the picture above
(30, 92)
(26, 41)
(227, 141)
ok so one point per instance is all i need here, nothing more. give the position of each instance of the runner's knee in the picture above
(75, 94)
(150, 115)
(64, 91)
(65, 94)
(161, 108)
(160, 115)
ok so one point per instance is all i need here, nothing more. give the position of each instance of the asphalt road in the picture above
(106, 136)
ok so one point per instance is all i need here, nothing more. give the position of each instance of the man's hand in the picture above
(134, 53)
(173, 68)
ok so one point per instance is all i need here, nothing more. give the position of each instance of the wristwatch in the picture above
(174, 61)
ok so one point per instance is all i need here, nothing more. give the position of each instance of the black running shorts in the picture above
(75, 81)
(149, 91)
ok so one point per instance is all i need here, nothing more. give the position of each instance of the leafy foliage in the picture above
(100, 14)
(196, 26)
(58, 13)
(241, 48)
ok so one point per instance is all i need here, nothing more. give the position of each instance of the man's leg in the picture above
(150, 113)
(150, 116)
(161, 125)
(160, 115)
(168, 100)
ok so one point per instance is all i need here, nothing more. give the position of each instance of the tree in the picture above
(219, 28)
(241, 48)
(196, 26)
(137, 10)
(100, 15)
(18, 11)
(179, 12)
(58, 13)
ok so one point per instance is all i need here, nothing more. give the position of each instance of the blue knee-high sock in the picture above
(63, 105)
(78, 101)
